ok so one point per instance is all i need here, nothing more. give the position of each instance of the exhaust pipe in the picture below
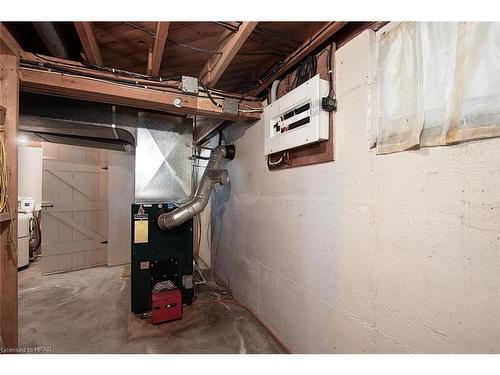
(212, 175)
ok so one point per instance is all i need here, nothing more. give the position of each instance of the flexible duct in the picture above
(274, 90)
(212, 175)
(52, 39)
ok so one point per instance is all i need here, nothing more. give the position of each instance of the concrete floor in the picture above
(88, 311)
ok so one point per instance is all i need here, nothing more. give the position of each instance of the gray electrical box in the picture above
(231, 106)
(189, 85)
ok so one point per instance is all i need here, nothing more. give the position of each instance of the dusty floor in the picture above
(87, 311)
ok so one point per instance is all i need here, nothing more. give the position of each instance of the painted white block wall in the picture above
(395, 253)
(121, 177)
(30, 173)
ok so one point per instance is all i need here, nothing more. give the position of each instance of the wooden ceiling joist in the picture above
(158, 47)
(305, 49)
(8, 44)
(90, 46)
(79, 87)
(216, 66)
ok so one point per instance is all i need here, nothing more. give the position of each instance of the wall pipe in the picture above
(274, 90)
(212, 175)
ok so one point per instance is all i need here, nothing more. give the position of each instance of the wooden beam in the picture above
(90, 46)
(8, 44)
(305, 49)
(149, 68)
(82, 68)
(9, 99)
(78, 87)
(216, 66)
(158, 47)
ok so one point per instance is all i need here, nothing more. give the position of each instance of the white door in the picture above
(74, 207)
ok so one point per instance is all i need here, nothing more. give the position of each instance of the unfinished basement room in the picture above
(272, 185)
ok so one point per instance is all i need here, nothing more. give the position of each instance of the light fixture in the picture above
(22, 140)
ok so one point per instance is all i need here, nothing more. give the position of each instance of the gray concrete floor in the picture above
(88, 311)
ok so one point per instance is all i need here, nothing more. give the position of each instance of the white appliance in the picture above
(297, 118)
(23, 240)
(26, 206)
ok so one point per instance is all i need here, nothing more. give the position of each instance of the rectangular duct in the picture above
(163, 169)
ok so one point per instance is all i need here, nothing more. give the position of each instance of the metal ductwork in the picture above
(52, 39)
(212, 175)
(78, 133)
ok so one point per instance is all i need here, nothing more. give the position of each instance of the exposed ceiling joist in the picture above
(305, 49)
(8, 44)
(216, 66)
(149, 67)
(80, 87)
(158, 47)
(90, 46)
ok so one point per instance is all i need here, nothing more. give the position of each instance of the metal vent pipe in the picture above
(212, 175)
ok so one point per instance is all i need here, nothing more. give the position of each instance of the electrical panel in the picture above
(297, 119)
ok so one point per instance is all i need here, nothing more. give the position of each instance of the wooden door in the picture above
(74, 208)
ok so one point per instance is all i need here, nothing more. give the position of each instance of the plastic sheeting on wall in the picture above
(438, 84)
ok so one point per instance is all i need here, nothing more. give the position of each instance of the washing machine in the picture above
(23, 240)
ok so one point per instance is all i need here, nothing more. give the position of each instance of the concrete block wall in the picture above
(367, 254)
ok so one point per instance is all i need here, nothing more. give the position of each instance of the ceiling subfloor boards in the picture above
(216, 66)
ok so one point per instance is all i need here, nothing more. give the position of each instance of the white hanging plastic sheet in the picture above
(438, 84)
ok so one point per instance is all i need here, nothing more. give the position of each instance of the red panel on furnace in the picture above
(166, 305)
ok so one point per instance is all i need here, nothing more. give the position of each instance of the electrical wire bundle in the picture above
(331, 92)
(284, 159)
(124, 77)
(3, 171)
(306, 70)
(4, 196)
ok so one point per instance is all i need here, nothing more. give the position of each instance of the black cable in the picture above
(202, 157)
(207, 91)
(157, 86)
(276, 35)
(151, 80)
(197, 49)
(110, 70)
(227, 26)
(138, 27)
(29, 64)
(306, 70)
(220, 137)
(331, 92)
